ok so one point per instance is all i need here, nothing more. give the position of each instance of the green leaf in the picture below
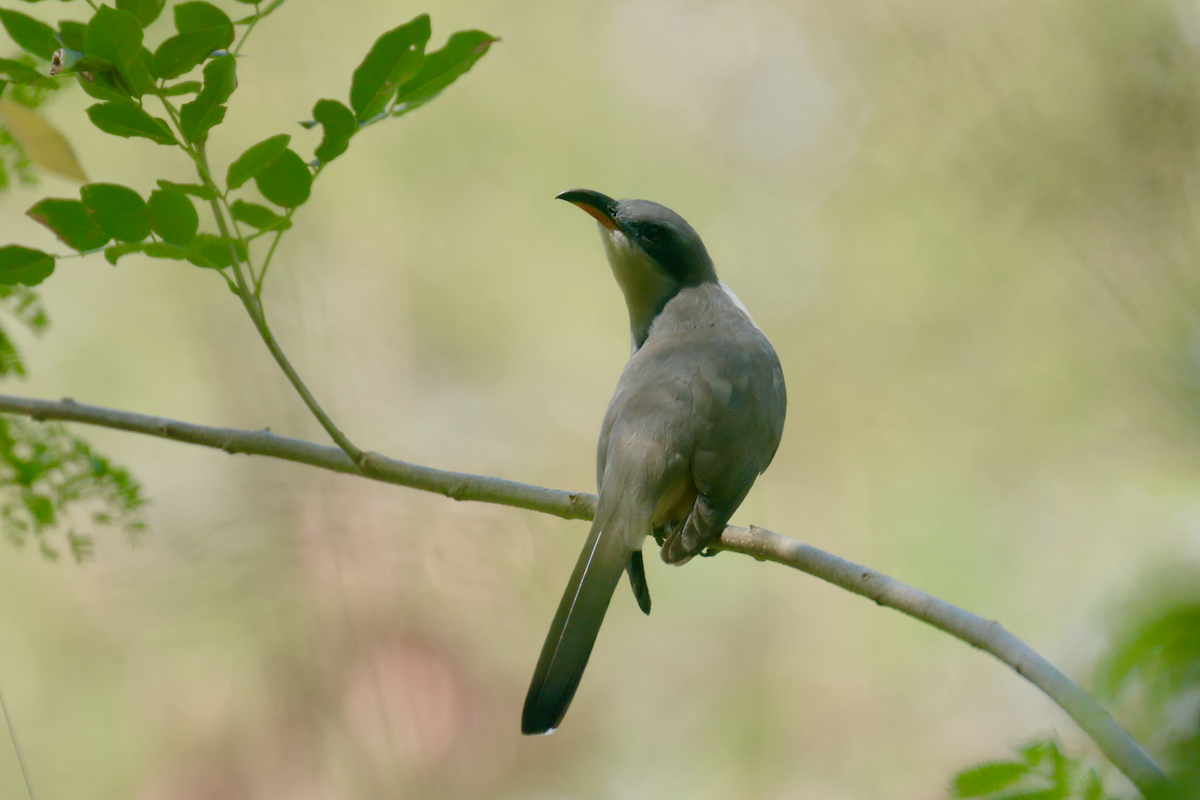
(257, 158)
(983, 779)
(145, 11)
(215, 251)
(123, 119)
(198, 16)
(159, 250)
(70, 223)
(72, 35)
(31, 35)
(339, 125)
(117, 210)
(112, 254)
(393, 58)
(186, 87)
(145, 62)
(258, 216)
(152, 249)
(286, 181)
(443, 67)
(180, 54)
(103, 87)
(194, 189)
(172, 216)
(24, 265)
(18, 72)
(43, 144)
(207, 110)
(116, 37)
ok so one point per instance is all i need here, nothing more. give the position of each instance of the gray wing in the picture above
(716, 403)
(739, 403)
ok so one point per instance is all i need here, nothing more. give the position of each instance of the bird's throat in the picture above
(645, 286)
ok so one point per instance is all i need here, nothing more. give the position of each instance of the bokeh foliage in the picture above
(54, 488)
(1042, 772)
(1154, 667)
(49, 470)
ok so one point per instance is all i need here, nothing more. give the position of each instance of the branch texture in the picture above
(762, 544)
(987, 635)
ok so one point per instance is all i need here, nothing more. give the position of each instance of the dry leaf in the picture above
(41, 141)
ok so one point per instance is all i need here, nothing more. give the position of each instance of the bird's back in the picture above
(706, 390)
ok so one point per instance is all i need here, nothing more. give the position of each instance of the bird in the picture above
(696, 417)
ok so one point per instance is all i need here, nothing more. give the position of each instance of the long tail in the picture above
(576, 623)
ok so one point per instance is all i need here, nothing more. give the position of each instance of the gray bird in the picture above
(696, 417)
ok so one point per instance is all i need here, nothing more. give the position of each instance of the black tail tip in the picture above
(537, 722)
(536, 729)
(637, 580)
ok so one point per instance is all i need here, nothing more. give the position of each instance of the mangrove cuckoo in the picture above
(696, 417)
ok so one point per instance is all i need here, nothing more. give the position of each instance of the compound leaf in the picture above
(69, 221)
(208, 109)
(180, 54)
(124, 119)
(393, 57)
(172, 216)
(286, 181)
(256, 158)
(441, 68)
(194, 189)
(144, 11)
(31, 35)
(24, 265)
(117, 210)
(258, 216)
(338, 124)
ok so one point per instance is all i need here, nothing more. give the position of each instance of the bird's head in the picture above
(653, 252)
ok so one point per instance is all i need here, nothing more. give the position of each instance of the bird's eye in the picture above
(653, 233)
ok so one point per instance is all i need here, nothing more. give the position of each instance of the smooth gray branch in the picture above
(761, 544)
(988, 635)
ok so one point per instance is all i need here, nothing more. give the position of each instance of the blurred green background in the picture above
(968, 228)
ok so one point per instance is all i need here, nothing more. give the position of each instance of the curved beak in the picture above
(600, 206)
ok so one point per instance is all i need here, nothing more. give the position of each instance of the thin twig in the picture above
(991, 637)
(12, 731)
(254, 308)
(249, 298)
(262, 273)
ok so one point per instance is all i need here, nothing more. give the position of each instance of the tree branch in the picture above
(987, 635)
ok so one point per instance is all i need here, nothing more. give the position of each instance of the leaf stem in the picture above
(267, 262)
(258, 17)
(254, 308)
(262, 273)
(250, 298)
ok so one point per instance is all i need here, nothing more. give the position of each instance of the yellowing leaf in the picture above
(41, 141)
